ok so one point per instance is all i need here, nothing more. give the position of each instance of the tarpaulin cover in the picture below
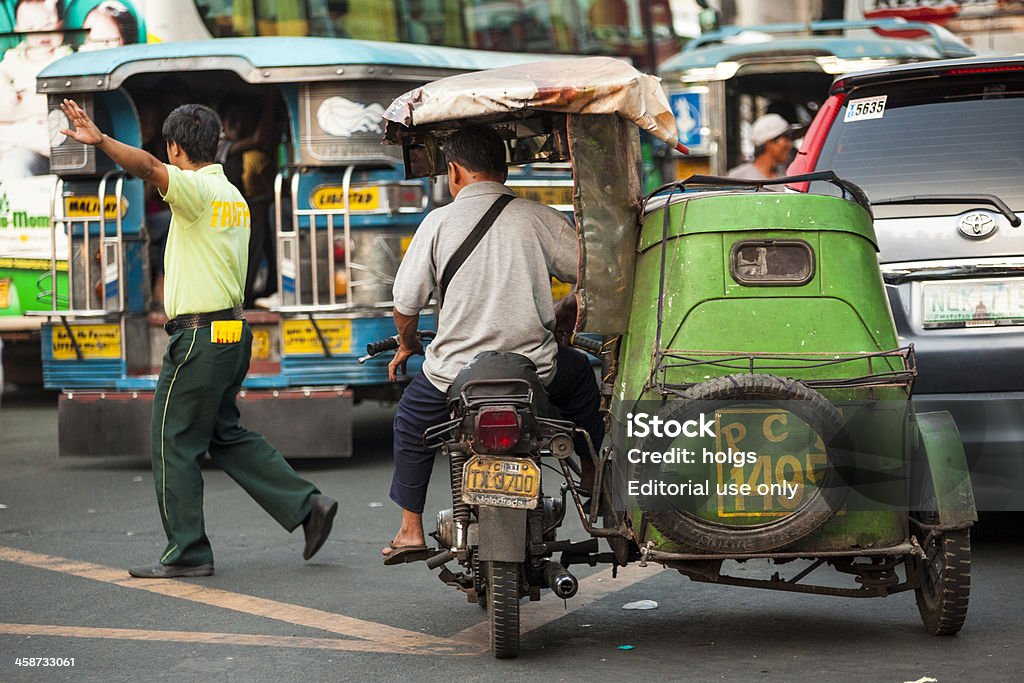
(591, 85)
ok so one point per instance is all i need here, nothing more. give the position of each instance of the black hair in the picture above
(477, 148)
(196, 129)
(127, 23)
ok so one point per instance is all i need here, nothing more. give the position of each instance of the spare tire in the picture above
(794, 397)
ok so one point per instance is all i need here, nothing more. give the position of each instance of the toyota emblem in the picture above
(977, 224)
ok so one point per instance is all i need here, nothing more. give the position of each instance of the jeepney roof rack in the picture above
(945, 43)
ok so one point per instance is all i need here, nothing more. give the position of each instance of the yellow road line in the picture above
(35, 630)
(368, 636)
(394, 638)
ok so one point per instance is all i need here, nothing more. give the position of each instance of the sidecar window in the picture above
(772, 262)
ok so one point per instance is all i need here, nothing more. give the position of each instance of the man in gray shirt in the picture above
(498, 300)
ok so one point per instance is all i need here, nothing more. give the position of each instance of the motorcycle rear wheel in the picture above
(503, 608)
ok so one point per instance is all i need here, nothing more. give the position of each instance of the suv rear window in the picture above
(957, 135)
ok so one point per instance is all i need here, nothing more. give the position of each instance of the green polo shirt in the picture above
(208, 242)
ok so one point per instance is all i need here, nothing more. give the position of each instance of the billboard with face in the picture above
(34, 33)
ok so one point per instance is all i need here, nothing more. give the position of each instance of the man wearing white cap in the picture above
(772, 145)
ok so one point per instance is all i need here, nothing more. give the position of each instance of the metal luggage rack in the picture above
(776, 363)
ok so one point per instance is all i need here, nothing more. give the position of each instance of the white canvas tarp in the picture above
(591, 85)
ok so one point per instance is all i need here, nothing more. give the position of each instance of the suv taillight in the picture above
(498, 428)
(807, 156)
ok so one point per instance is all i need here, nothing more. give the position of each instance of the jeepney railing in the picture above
(289, 243)
(111, 258)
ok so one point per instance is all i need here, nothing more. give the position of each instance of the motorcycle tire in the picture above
(796, 398)
(503, 608)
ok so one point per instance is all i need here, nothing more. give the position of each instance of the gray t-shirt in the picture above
(500, 299)
(747, 171)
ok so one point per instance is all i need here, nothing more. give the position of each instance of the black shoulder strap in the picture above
(473, 239)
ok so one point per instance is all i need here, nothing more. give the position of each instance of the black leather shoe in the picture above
(318, 523)
(172, 571)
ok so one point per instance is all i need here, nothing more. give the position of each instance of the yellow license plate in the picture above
(784, 461)
(359, 198)
(504, 482)
(5, 293)
(300, 337)
(94, 341)
(552, 195)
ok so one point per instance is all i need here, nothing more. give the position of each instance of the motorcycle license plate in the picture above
(502, 482)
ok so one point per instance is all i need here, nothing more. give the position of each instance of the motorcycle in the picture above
(502, 527)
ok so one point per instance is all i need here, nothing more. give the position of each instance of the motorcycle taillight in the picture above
(497, 428)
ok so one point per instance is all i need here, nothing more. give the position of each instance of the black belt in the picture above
(190, 321)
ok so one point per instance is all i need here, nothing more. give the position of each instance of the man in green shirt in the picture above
(208, 353)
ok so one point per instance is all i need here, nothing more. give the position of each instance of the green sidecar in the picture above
(757, 397)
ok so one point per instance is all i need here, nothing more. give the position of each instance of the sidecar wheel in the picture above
(503, 608)
(794, 397)
(944, 582)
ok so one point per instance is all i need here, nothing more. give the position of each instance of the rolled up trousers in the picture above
(194, 412)
(573, 391)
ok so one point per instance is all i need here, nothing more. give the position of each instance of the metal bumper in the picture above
(300, 423)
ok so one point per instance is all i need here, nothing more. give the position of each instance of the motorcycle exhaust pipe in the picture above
(560, 580)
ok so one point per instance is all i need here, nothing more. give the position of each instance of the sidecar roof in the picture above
(590, 85)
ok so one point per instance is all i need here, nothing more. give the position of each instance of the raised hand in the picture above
(85, 131)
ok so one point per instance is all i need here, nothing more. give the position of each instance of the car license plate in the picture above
(557, 196)
(972, 303)
(5, 293)
(300, 337)
(503, 482)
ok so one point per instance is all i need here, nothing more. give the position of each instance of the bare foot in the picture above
(403, 541)
(410, 534)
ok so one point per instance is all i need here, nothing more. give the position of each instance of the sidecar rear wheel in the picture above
(792, 396)
(944, 582)
(503, 608)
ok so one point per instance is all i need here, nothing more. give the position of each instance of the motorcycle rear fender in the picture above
(501, 534)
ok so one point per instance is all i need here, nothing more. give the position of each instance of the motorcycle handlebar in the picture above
(374, 349)
(378, 347)
(586, 344)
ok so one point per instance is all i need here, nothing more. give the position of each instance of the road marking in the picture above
(199, 637)
(364, 636)
(533, 615)
(393, 638)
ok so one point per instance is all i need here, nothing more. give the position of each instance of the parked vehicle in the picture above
(755, 322)
(724, 80)
(938, 150)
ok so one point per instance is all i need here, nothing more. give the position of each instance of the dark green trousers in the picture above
(194, 412)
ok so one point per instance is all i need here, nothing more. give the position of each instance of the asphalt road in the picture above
(69, 528)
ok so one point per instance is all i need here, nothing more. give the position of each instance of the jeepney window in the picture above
(772, 262)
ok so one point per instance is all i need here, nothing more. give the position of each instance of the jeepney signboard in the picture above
(93, 341)
(300, 337)
(332, 198)
(88, 206)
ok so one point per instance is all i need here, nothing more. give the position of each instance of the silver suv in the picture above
(939, 149)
